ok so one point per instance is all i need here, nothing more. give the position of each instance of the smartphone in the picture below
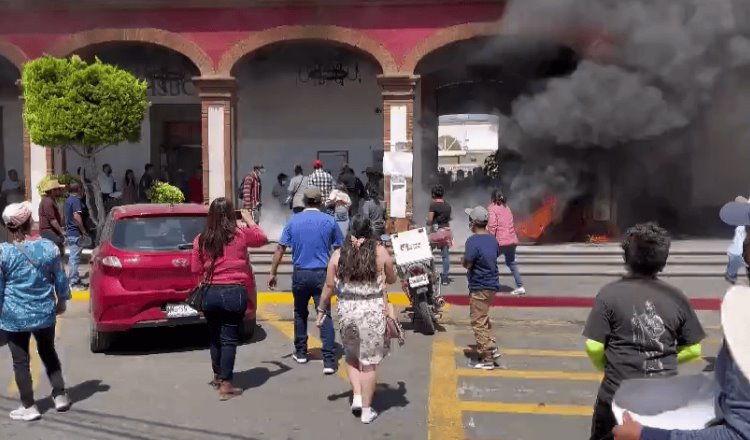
(238, 214)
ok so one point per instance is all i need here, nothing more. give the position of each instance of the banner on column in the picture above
(399, 135)
(398, 163)
(398, 196)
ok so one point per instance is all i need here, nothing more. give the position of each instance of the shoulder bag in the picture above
(195, 299)
(290, 199)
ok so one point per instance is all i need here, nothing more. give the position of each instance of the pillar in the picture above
(217, 118)
(36, 167)
(398, 146)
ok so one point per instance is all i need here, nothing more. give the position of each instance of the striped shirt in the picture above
(251, 190)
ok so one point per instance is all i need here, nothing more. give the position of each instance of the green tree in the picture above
(82, 107)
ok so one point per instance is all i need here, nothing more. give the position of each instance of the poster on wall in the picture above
(399, 141)
(398, 196)
(398, 163)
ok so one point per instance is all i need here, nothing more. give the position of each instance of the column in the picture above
(35, 168)
(398, 146)
(217, 118)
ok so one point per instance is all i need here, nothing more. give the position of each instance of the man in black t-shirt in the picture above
(439, 217)
(639, 326)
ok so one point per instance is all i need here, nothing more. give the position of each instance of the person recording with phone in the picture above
(220, 257)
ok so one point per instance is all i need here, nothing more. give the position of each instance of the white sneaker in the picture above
(300, 358)
(357, 406)
(329, 371)
(518, 292)
(496, 353)
(26, 414)
(368, 415)
(62, 402)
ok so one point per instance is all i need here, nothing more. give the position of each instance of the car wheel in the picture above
(100, 341)
(248, 330)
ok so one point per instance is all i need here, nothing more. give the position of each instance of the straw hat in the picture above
(52, 184)
(736, 326)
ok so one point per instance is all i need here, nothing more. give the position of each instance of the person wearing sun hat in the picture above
(50, 220)
(732, 370)
(33, 291)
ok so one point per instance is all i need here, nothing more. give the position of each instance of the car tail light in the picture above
(111, 262)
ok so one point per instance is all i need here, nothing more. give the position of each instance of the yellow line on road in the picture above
(531, 374)
(527, 408)
(534, 353)
(444, 413)
(287, 329)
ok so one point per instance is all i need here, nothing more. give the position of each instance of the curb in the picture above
(400, 299)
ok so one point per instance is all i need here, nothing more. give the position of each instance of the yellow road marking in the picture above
(35, 363)
(444, 413)
(531, 374)
(533, 353)
(287, 329)
(527, 408)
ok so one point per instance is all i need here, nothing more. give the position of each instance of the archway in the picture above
(301, 101)
(171, 133)
(175, 42)
(13, 157)
(347, 37)
(445, 37)
(468, 90)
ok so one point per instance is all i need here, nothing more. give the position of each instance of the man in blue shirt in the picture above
(74, 230)
(312, 235)
(480, 260)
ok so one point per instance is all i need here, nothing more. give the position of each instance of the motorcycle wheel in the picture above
(424, 314)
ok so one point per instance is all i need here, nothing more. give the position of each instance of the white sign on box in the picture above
(678, 402)
(397, 162)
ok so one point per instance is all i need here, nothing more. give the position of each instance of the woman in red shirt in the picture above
(220, 256)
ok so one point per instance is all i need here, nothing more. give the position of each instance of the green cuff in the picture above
(595, 352)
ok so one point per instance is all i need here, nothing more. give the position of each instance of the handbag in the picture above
(393, 329)
(197, 295)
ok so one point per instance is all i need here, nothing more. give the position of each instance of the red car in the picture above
(140, 274)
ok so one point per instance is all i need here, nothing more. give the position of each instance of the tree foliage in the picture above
(71, 103)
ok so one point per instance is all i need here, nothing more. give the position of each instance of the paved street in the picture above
(153, 385)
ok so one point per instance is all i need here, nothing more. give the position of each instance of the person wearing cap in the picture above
(320, 179)
(734, 252)
(50, 220)
(33, 291)
(374, 182)
(312, 235)
(480, 261)
(732, 373)
(438, 218)
(252, 191)
(639, 326)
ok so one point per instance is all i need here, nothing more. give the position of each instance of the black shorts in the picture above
(51, 236)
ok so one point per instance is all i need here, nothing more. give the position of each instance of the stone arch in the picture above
(12, 53)
(159, 37)
(346, 36)
(444, 37)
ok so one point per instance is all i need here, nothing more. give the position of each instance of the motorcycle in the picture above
(420, 281)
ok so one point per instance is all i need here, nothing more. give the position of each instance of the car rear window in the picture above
(157, 233)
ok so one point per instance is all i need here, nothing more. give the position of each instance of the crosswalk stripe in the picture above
(533, 353)
(531, 374)
(526, 408)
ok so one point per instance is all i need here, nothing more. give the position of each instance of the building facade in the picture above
(237, 83)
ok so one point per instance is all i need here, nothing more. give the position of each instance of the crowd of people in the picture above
(638, 327)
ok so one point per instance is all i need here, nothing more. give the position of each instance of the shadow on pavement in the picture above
(258, 376)
(81, 423)
(386, 397)
(169, 340)
(77, 393)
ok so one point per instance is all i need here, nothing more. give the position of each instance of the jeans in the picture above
(733, 266)
(445, 251)
(18, 342)
(603, 421)
(308, 284)
(509, 253)
(256, 214)
(224, 308)
(74, 260)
